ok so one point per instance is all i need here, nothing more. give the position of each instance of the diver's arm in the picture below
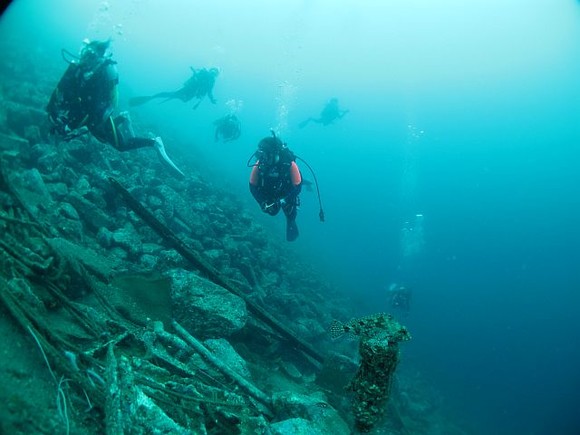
(256, 189)
(296, 183)
(258, 195)
(113, 101)
(110, 97)
(342, 113)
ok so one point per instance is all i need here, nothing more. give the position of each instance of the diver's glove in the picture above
(282, 202)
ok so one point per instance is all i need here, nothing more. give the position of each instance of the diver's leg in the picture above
(137, 101)
(125, 140)
(173, 94)
(291, 211)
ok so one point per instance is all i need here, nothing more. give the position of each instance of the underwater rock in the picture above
(18, 117)
(32, 134)
(295, 426)
(89, 258)
(118, 165)
(69, 228)
(170, 258)
(189, 213)
(309, 328)
(128, 239)
(149, 262)
(83, 186)
(176, 224)
(66, 175)
(32, 190)
(312, 409)
(105, 237)
(90, 214)
(218, 258)
(9, 142)
(48, 163)
(68, 211)
(270, 279)
(79, 154)
(234, 275)
(210, 242)
(152, 248)
(154, 202)
(205, 309)
(291, 370)
(57, 190)
(33, 182)
(224, 351)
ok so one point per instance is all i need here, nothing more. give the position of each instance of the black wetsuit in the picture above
(87, 97)
(274, 182)
(227, 128)
(199, 85)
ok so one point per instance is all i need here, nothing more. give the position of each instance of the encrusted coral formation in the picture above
(379, 355)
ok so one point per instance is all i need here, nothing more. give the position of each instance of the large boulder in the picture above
(224, 352)
(203, 308)
(308, 410)
(294, 426)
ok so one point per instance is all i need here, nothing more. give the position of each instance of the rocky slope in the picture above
(109, 327)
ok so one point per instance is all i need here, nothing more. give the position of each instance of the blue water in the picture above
(464, 112)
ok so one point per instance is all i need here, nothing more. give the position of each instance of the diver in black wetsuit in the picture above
(227, 128)
(199, 85)
(328, 115)
(85, 99)
(276, 181)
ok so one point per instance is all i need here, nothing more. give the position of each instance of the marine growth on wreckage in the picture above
(379, 336)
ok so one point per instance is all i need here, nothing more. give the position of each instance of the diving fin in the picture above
(304, 123)
(291, 230)
(160, 148)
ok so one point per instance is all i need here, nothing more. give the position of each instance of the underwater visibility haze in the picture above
(455, 171)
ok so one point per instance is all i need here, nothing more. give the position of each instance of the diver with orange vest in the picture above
(276, 182)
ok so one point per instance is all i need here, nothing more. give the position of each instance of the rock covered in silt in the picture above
(203, 308)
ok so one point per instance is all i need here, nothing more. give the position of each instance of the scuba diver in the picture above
(199, 85)
(330, 112)
(227, 128)
(86, 97)
(400, 298)
(276, 181)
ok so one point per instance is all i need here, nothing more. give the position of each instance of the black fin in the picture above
(291, 230)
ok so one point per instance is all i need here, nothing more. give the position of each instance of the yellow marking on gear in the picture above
(114, 132)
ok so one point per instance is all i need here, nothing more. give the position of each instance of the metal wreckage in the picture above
(379, 336)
